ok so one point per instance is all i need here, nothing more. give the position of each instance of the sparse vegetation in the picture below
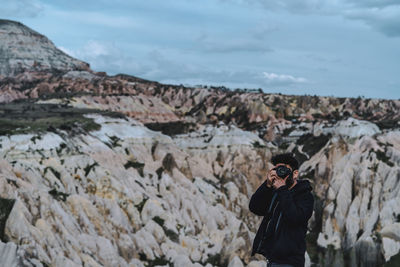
(159, 172)
(388, 124)
(136, 165)
(139, 183)
(257, 144)
(172, 128)
(58, 195)
(54, 171)
(312, 246)
(28, 117)
(13, 182)
(211, 183)
(312, 144)
(380, 155)
(394, 261)
(141, 204)
(88, 168)
(6, 206)
(159, 220)
(174, 237)
(168, 162)
(216, 260)
(114, 141)
(159, 261)
(60, 148)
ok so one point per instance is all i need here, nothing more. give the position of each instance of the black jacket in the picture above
(281, 235)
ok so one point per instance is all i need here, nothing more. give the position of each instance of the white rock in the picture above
(151, 209)
(8, 254)
(182, 261)
(235, 262)
(307, 260)
(61, 261)
(257, 264)
(233, 191)
(355, 128)
(117, 127)
(390, 247)
(136, 263)
(391, 231)
(106, 251)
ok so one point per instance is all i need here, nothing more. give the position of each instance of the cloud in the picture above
(95, 18)
(381, 15)
(282, 79)
(375, 3)
(164, 67)
(67, 51)
(385, 19)
(168, 70)
(97, 49)
(263, 31)
(323, 58)
(294, 6)
(20, 8)
(234, 45)
(108, 57)
(248, 41)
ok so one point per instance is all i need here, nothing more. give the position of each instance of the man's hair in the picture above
(287, 158)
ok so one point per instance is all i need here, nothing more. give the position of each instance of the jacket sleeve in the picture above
(295, 212)
(261, 199)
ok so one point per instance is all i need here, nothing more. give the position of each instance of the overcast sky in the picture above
(328, 48)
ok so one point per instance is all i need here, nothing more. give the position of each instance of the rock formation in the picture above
(22, 48)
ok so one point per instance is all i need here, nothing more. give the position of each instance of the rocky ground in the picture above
(99, 170)
(127, 196)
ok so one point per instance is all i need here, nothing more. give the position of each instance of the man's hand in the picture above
(270, 179)
(279, 183)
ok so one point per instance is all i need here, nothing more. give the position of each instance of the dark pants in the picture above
(273, 264)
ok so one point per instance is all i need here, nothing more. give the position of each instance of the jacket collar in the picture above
(302, 186)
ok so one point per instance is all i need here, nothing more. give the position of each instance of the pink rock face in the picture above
(8, 95)
(142, 108)
(154, 102)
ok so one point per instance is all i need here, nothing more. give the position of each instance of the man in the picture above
(286, 204)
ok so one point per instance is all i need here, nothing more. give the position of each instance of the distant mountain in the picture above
(22, 48)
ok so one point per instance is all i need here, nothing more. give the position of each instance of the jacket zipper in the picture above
(277, 224)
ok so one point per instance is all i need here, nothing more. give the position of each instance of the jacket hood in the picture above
(302, 186)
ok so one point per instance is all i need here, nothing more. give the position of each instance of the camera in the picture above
(282, 171)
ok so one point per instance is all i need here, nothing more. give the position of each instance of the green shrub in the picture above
(58, 195)
(216, 260)
(55, 172)
(88, 168)
(136, 165)
(394, 261)
(159, 220)
(257, 144)
(141, 204)
(25, 116)
(6, 206)
(171, 235)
